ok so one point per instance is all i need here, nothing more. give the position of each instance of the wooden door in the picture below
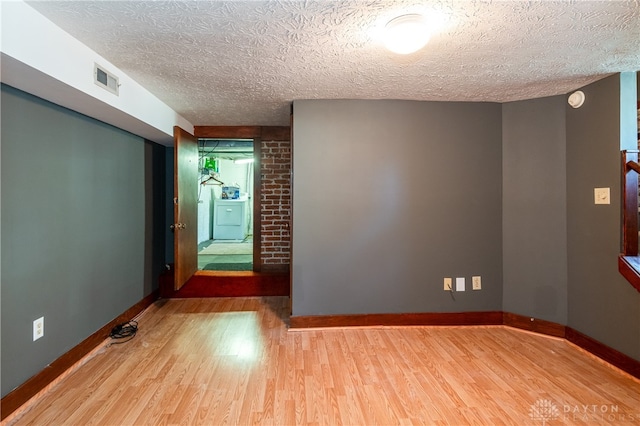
(185, 209)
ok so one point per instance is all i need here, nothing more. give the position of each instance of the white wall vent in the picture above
(105, 79)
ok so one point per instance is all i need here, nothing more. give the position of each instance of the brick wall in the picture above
(276, 203)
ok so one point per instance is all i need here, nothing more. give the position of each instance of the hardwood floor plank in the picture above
(233, 361)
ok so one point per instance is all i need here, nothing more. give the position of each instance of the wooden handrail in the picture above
(630, 202)
(629, 261)
(633, 166)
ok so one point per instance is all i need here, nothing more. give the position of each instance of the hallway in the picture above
(226, 255)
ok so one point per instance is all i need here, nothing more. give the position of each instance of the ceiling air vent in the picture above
(105, 79)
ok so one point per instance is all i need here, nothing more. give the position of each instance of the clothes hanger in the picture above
(204, 182)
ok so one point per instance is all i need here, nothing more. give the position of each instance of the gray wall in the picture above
(78, 225)
(156, 220)
(534, 225)
(389, 198)
(602, 304)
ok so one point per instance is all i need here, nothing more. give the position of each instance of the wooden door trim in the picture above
(257, 204)
(258, 134)
(267, 133)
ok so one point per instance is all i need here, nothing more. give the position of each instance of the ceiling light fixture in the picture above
(406, 34)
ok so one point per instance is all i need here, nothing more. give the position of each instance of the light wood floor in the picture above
(233, 361)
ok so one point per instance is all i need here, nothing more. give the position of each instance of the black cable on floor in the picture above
(126, 330)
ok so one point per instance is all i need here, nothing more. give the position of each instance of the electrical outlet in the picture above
(38, 328)
(476, 283)
(448, 284)
(460, 284)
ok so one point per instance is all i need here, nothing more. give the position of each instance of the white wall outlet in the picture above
(448, 284)
(460, 284)
(602, 195)
(38, 328)
(476, 283)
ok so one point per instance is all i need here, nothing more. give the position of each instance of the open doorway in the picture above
(225, 204)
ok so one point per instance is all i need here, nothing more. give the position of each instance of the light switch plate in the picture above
(460, 284)
(602, 195)
(448, 284)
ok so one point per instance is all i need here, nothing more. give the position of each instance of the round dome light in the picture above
(406, 34)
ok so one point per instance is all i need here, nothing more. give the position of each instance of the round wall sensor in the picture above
(576, 99)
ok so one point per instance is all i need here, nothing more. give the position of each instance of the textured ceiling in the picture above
(243, 62)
